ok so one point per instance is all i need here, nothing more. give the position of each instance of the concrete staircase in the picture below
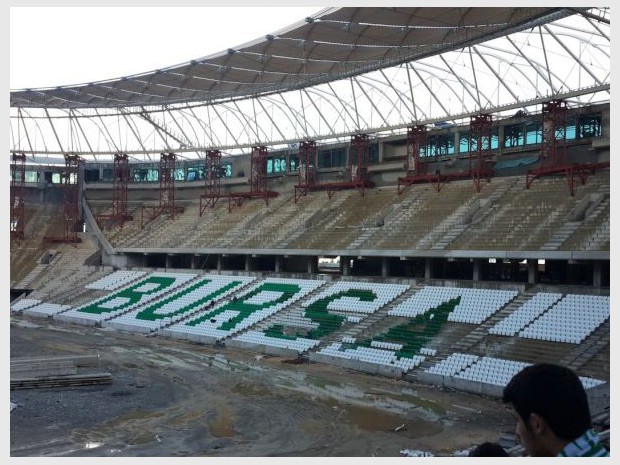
(561, 235)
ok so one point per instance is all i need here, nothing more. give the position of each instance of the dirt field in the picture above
(171, 398)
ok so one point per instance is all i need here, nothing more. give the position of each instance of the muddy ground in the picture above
(171, 398)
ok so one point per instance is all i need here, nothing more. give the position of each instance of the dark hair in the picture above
(488, 449)
(553, 392)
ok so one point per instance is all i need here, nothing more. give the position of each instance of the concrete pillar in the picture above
(248, 263)
(313, 265)
(194, 262)
(279, 263)
(597, 277)
(219, 263)
(385, 267)
(477, 269)
(345, 266)
(168, 261)
(532, 271)
(428, 268)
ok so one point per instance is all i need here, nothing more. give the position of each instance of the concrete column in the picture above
(279, 263)
(532, 271)
(193, 263)
(168, 260)
(345, 266)
(477, 269)
(219, 263)
(313, 265)
(385, 267)
(597, 277)
(428, 268)
(248, 263)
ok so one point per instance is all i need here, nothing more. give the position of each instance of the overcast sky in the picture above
(51, 46)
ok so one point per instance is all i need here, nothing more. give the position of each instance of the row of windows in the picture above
(438, 146)
(515, 135)
(49, 176)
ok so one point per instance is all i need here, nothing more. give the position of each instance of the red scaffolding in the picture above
(480, 136)
(307, 161)
(71, 179)
(213, 175)
(258, 180)
(167, 202)
(356, 174)
(415, 170)
(553, 149)
(480, 162)
(359, 157)
(119, 193)
(18, 183)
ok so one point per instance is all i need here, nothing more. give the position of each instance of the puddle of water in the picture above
(391, 402)
(312, 426)
(143, 438)
(250, 389)
(138, 415)
(370, 419)
(182, 420)
(223, 425)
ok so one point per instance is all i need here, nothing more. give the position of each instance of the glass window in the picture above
(464, 142)
(31, 176)
(533, 133)
(373, 153)
(108, 175)
(139, 174)
(227, 170)
(332, 158)
(570, 132)
(194, 173)
(152, 175)
(293, 162)
(440, 145)
(179, 174)
(590, 125)
(514, 135)
(56, 178)
(495, 138)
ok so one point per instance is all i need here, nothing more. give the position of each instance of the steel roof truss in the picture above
(133, 130)
(570, 52)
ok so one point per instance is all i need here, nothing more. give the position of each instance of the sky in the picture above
(53, 46)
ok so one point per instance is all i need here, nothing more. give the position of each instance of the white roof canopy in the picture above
(340, 72)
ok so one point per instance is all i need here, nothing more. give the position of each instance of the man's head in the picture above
(551, 407)
(488, 449)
